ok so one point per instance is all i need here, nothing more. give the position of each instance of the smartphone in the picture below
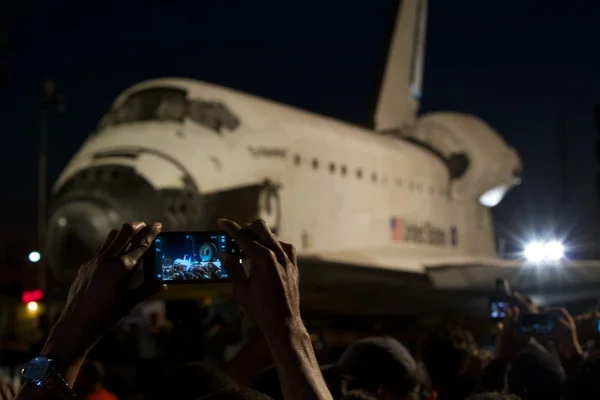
(537, 324)
(500, 301)
(598, 325)
(502, 286)
(189, 257)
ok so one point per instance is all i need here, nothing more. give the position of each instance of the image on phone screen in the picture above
(537, 323)
(502, 286)
(191, 256)
(498, 309)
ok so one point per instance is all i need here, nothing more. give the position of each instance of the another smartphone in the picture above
(500, 301)
(537, 324)
(189, 257)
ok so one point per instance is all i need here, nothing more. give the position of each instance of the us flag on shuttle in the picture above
(396, 228)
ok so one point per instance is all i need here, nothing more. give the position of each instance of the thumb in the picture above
(229, 226)
(140, 244)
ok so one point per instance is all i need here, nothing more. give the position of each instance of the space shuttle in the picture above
(364, 207)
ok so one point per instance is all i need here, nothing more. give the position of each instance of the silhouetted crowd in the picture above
(448, 363)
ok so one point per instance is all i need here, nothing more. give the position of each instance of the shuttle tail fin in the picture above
(400, 91)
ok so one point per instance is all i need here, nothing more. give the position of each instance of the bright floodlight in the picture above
(535, 252)
(34, 256)
(554, 250)
(32, 306)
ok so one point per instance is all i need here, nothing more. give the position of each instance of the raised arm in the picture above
(98, 298)
(269, 295)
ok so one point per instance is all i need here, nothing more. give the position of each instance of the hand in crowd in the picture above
(269, 294)
(587, 326)
(525, 304)
(101, 294)
(565, 335)
(7, 390)
(509, 343)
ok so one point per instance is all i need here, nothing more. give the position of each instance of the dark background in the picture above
(522, 67)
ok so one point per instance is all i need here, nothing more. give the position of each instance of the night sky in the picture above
(521, 68)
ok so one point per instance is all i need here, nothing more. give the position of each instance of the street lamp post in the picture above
(47, 103)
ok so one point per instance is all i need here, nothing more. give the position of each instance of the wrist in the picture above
(65, 348)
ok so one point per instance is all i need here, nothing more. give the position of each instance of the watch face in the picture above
(36, 369)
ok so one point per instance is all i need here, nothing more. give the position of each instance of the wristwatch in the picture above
(42, 372)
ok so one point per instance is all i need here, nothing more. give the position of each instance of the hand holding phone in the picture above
(500, 302)
(537, 324)
(269, 293)
(588, 326)
(565, 333)
(509, 343)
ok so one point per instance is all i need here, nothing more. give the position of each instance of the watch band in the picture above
(58, 386)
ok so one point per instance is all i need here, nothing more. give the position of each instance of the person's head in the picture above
(267, 382)
(235, 394)
(446, 354)
(380, 366)
(536, 374)
(90, 378)
(191, 381)
(493, 396)
(585, 382)
(331, 375)
(359, 395)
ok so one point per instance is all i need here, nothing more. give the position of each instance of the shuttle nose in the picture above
(88, 206)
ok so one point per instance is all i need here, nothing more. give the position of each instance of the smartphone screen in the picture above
(189, 257)
(498, 306)
(598, 325)
(500, 301)
(539, 324)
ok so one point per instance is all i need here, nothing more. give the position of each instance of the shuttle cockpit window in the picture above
(170, 105)
(152, 105)
(213, 115)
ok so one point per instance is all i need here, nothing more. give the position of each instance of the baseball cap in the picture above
(192, 380)
(536, 372)
(236, 394)
(381, 360)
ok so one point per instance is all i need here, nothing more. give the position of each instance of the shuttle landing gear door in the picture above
(269, 206)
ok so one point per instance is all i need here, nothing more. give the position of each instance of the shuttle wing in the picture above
(439, 286)
(412, 260)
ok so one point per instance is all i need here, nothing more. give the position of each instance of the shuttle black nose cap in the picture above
(75, 231)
